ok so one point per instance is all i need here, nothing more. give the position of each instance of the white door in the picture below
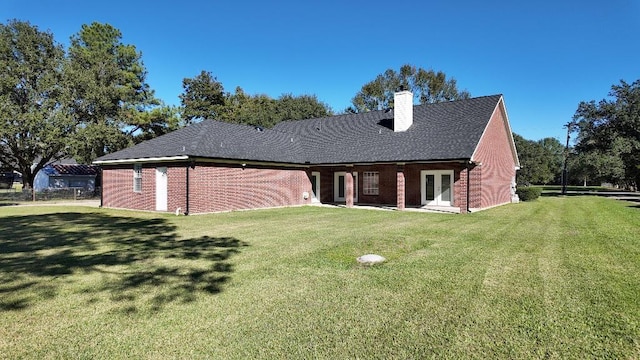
(161, 189)
(436, 187)
(340, 186)
(315, 186)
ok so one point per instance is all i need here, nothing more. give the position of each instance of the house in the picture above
(6, 179)
(66, 174)
(457, 155)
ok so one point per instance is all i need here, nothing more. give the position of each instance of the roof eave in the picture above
(390, 162)
(142, 160)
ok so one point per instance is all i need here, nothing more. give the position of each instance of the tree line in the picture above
(606, 147)
(93, 98)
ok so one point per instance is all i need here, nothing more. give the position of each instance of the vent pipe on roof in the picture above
(402, 110)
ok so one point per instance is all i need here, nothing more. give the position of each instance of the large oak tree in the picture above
(35, 125)
(428, 86)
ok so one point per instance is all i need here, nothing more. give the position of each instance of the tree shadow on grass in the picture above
(633, 203)
(133, 261)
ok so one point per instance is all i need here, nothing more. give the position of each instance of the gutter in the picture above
(142, 160)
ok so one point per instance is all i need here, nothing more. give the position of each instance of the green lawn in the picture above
(556, 278)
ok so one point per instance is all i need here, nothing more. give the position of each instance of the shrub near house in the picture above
(528, 193)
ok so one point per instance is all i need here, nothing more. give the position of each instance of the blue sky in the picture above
(543, 56)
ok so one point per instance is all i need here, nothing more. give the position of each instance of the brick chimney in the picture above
(402, 110)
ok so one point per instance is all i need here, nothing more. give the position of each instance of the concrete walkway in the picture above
(618, 195)
(88, 203)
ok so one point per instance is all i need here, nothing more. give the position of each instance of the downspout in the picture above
(468, 184)
(101, 189)
(186, 210)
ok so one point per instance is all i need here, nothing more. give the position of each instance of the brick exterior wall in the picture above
(218, 187)
(497, 170)
(117, 190)
(475, 187)
(230, 187)
(176, 187)
(460, 190)
(212, 187)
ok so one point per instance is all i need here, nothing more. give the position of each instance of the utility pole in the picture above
(569, 127)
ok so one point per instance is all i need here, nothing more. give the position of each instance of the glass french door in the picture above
(436, 187)
(340, 186)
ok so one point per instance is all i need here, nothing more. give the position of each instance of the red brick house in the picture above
(456, 155)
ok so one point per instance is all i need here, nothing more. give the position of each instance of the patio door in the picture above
(315, 186)
(161, 189)
(340, 186)
(436, 187)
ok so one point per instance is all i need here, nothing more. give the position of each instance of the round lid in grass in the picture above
(371, 259)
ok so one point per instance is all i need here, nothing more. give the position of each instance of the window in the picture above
(78, 183)
(370, 183)
(137, 178)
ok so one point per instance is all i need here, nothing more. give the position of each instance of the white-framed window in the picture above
(137, 177)
(371, 183)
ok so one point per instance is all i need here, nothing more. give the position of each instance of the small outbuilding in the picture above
(66, 176)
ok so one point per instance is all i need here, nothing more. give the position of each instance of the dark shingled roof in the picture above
(70, 169)
(215, 139)
(442, 131)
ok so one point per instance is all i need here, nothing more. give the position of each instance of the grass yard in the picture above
(556, 278)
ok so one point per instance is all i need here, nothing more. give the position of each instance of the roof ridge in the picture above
(459, 100)
(373, 112)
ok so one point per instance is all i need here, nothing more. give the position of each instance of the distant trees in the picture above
(155, 122)
(94, 99)
(427, 86)
(264, 111)
(540, 161)
(204, 98)
(608, 147)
